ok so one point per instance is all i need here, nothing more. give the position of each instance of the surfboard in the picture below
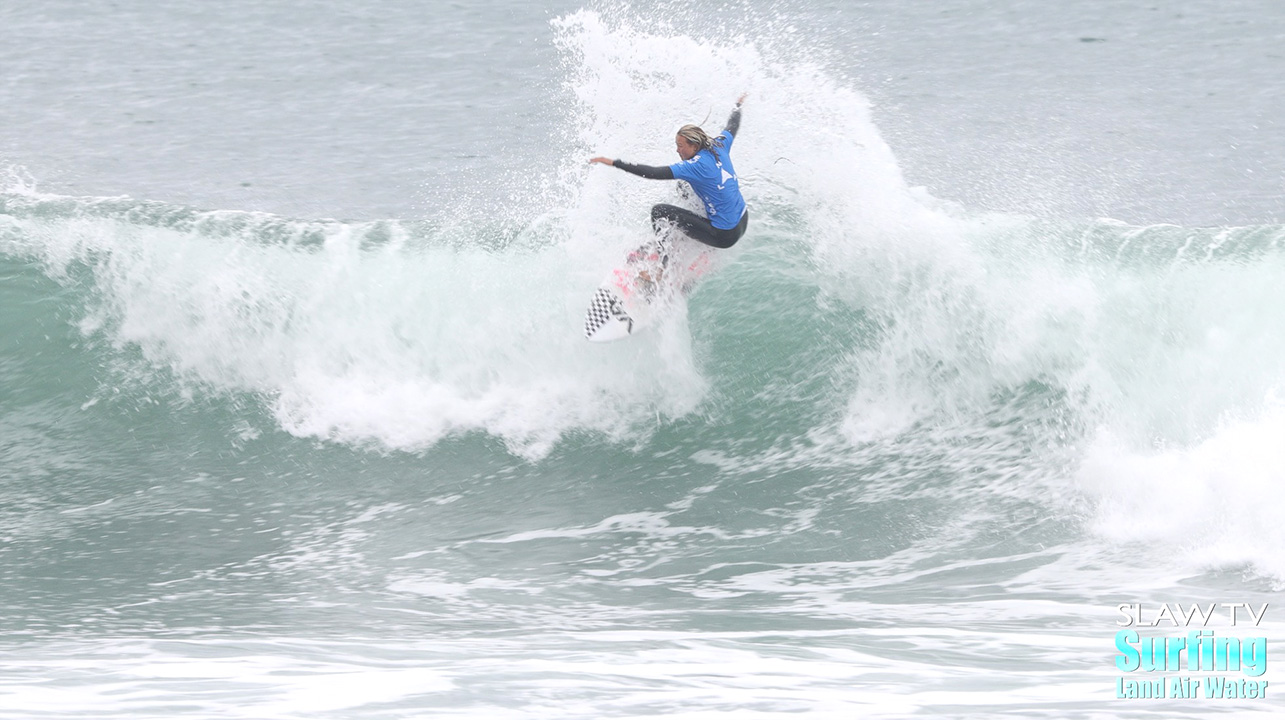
(638, 291)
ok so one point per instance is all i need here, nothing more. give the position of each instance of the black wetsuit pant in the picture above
(697, 227)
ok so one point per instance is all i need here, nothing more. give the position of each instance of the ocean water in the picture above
(296, 419)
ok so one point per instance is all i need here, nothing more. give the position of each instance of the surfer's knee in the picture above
(661, 211)
(663, 217)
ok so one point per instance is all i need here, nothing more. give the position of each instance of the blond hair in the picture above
(698, 137)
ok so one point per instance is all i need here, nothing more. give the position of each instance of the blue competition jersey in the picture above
(714, 180)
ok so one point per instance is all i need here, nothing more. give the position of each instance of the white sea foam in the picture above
(1210, 504)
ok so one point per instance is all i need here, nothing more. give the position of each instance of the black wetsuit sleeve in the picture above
(650, 172)
(734, 122)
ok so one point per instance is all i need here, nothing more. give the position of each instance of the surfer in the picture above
(707, 166)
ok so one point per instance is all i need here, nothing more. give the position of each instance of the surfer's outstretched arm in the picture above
(734, 122)
(650, 172)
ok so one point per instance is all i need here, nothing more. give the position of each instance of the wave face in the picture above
(877, 396)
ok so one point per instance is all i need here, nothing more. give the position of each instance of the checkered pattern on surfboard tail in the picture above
(602, 309)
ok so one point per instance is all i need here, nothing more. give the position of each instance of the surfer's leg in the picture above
(691, 224)
(695, 226)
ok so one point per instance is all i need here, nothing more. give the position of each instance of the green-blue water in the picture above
(902, 454)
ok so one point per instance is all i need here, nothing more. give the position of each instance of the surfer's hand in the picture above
(602, 160)
(741, 99)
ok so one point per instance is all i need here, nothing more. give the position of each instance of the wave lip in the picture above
(374, 333)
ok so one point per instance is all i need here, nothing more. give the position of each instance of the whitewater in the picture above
(297, 419)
